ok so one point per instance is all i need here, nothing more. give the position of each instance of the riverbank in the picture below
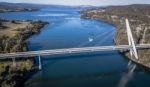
(2, 10)
(13, 34)
(12, 7)
(138, 15)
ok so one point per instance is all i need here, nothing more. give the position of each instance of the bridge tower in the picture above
(133, 50)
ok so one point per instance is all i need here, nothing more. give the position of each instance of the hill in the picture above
(139, 17)
(12, 7)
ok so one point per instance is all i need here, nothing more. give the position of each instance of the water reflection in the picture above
(105, 38)
(53, 14)
(95, 38)
(127, 76)
(91, 37)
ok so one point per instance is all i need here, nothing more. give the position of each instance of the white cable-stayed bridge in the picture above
(71, 51)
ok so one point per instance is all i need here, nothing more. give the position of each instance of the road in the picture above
(71, 51)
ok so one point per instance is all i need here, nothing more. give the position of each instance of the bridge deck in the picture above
(70, 51)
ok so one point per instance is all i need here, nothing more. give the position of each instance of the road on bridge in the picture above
(71, 51)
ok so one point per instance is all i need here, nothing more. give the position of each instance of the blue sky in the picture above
(82, 2)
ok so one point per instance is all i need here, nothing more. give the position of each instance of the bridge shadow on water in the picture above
(80, 55)
(124, 76)
(50, 60)
(54, 59)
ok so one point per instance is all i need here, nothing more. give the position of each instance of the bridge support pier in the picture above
(14, 62)
(40, 64)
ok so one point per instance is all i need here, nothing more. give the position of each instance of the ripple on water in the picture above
(53, 14)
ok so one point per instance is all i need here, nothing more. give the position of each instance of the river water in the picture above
(67, 30)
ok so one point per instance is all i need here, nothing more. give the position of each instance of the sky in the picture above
(82, 2)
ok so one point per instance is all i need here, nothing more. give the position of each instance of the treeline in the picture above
(138, 15)
(139, 18)
(10, 75)
(16, 43)
(12, 7)
(14, 76)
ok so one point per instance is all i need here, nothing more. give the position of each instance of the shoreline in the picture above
(139, 25)
(12, 7)
(34, 10)
(22, 31)
(123, 53)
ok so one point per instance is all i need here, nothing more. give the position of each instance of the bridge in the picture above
(71, 51)
(131, 47)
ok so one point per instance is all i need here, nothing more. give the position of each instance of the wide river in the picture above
(67, 30)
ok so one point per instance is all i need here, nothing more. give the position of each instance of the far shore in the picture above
(139, 22)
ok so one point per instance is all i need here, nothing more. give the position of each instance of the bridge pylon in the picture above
(133, 50)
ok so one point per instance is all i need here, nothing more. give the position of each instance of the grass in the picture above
(12, 39)
(11, 29)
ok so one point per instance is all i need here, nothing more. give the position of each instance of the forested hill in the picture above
(13, 7)
(139, 17)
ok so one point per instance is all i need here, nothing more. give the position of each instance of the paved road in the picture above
(71, 51)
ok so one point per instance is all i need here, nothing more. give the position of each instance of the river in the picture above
(67, 30)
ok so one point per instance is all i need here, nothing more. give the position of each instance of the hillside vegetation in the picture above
(13, 34)
(10, 7)
(139, 17)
